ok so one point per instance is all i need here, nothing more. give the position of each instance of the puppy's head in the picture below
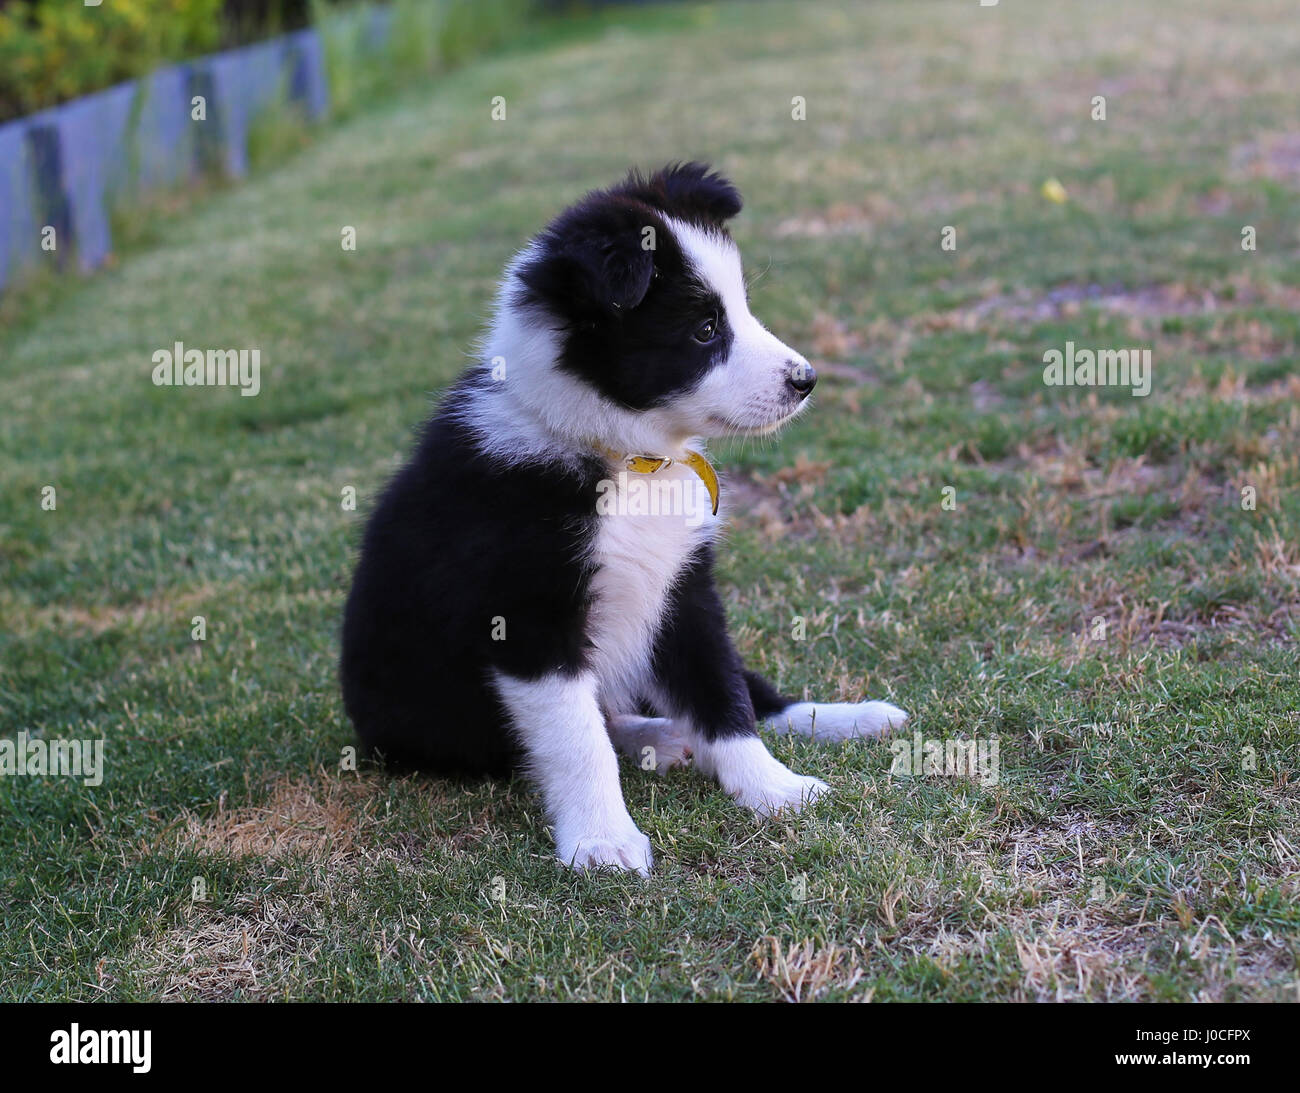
(643, 286)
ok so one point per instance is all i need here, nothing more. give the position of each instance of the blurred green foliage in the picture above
(51, 52)
(427, 36)
(56, 50)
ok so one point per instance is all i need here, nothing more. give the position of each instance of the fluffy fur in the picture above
(518, 604)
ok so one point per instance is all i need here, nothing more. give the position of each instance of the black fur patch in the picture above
(460, 544)
(686, 191)
(629, 314)
(457, 547)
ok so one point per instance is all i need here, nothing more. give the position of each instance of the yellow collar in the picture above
(649, 464)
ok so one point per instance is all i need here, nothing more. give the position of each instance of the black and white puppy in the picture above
(537, 580)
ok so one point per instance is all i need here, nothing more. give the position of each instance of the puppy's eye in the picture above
(707, 331)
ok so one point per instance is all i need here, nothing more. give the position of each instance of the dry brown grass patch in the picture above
(101, 618)
(317, 819)
(842, 218)
(219, 957)
(1139, 304)
(801, 972)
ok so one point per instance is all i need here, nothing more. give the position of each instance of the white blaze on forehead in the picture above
(533, 410)
(716, 261)
(748, 390)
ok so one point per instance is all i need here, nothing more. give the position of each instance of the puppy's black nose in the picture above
(801, 378)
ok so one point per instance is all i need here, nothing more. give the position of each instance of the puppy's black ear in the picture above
(592, 262)
(687, 191)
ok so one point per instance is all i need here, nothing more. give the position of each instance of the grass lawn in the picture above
(1090, 591)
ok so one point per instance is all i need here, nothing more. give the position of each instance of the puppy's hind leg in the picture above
(827, 721)
(656, 743)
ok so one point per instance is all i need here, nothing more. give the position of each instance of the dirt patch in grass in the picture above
(319, 820)
(842, 218)
(1218, 604)
(784, 505)
(1068, 300)
(219, 957)
(1235, 336)
(754, 502)
(776, 504)
(251, 951)
(321, 828)
(1077, 955)
(1074, 943)
(832, 337)
(1084, 953)
(1141, 302)
(95, 620)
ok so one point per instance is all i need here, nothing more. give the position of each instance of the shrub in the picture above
(51, 52)
(426, 36)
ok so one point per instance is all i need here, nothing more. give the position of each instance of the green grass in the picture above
(1140, 842)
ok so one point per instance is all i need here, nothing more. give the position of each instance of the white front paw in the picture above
(623, 848)
(746, 769)
(788, 792)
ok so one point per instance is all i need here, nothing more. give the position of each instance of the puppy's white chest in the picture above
(647, 527)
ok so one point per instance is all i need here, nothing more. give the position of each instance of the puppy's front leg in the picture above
(745, 768)
(558, 721)
(699, 679)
